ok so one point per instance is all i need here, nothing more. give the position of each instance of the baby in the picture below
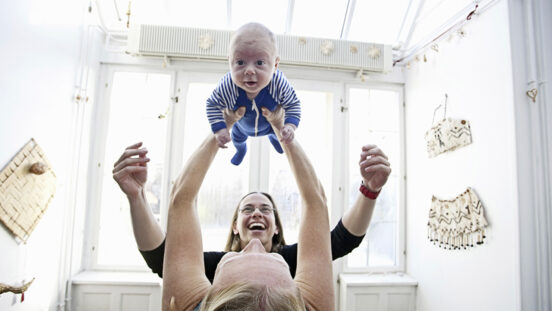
(254, 81)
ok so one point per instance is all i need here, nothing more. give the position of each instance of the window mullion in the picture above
(259, 171)
(174, 139)
(97, 152)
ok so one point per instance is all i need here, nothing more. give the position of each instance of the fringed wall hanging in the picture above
(457, 223)
(27, 185)
(448, 134)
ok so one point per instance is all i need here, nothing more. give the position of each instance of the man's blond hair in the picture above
(251, 297)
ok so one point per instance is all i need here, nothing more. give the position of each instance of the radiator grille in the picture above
(171, 41)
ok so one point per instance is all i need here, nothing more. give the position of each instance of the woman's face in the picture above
(253, 265)
(256, 220)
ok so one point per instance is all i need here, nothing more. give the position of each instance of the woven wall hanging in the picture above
(27, 185)
(457, 223)
(447, 135)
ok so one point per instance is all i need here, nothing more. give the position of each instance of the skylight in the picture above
(403, 24)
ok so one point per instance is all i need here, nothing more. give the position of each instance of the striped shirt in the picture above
(228, 95)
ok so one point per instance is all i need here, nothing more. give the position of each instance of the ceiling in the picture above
(403, 24)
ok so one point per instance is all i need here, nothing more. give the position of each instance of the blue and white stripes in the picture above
(226, 95)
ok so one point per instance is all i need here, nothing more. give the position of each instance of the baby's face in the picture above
(252, 62)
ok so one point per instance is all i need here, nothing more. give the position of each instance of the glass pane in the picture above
(225, 183)
(272, 14)
(137, 100)
(377, 21)
(199, 14)
(374, 119)
(315, 134)
(434, 15)
(318, 18)
(202, 14)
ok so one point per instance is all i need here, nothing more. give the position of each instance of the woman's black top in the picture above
(342, 241)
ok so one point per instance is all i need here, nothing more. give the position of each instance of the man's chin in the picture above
(257, 234)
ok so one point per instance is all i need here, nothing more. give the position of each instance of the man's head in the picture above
(253, 279)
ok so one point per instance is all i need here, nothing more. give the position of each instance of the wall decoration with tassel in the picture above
(457, 223)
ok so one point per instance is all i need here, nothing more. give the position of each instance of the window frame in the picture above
(184, 74)
(401, 233)
(99, 130)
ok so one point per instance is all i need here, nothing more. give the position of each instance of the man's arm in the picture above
(184, 281)
(314, 266)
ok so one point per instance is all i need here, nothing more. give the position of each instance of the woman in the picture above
(253, 278)
(130, 172)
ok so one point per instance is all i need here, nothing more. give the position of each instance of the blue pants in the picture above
(239, 138)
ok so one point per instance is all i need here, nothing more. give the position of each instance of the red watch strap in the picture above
(367, 192)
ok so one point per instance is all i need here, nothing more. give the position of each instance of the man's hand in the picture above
(231, 117)
(275, 118)
(374, 167)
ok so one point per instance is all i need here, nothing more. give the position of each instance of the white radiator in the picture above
(197, 43)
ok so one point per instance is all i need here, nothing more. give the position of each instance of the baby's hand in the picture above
(223, 137)
(288, 133)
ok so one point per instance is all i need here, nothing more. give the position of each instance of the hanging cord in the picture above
(117, 10)
(128, 15)
(437, 108)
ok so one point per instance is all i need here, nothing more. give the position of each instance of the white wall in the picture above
(40, 56)
(476, 73)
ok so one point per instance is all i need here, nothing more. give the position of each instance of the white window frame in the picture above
(335, 208)
(401, 243)
(100, 119)
(259, 150)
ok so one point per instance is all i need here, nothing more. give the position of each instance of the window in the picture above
(218, 196)
(337, 119)
(135, 110)
(315, 134)
(374, 117)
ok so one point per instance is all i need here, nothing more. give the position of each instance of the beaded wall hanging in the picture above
(457, 223)
(447, 135)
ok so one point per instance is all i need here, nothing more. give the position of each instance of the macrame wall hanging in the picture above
(27, 185)
(448, 134)
(457, 223)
